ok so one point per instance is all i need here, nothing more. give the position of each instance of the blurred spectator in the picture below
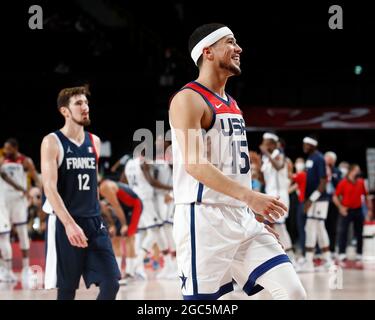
(37, 218)
(119, 165)
(255, 160)
(333, 178)
(343, 167)
(348, 199)
(299, 179)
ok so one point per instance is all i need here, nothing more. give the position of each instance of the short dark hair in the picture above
(13, 142)
(66, 93)
(201, 32)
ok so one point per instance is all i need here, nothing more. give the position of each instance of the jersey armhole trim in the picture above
(208, 103)
(93, 146)
(61, 149)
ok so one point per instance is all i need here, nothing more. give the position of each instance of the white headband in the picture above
(311, 141)
(208, 41)
(271, 136)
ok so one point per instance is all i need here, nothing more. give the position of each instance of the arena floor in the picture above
(356, 285)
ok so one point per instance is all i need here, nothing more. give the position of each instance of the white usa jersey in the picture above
(163, 173)
(137, 180)
(276, 181)
(225, 146)
(14, 168)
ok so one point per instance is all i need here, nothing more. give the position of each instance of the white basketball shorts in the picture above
(216, 244)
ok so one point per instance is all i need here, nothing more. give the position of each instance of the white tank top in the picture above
(225, 147)
(163, 173)
(276, 181)
(16, 171)
(137, 180)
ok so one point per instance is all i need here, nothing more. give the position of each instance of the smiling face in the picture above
(77, 110)
(225, 54)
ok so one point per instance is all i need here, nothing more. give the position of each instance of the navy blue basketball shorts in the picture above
(65, 264)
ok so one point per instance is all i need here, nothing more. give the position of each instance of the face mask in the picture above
(300, 166)
(344, 171)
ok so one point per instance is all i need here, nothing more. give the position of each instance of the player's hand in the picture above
(274, 233)
(124, 230)
(168, 198)
(268, 206)
(112, 231)
(343, 211)
(307, 205)
(76, 236)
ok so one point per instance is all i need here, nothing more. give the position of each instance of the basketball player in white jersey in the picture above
(217, 236)
(275, 173)
(139, 177)
(164, 204)
(18, 167)
(6, 273)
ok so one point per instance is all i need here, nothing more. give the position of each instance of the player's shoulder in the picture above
(186, 97)
(50, 143)
(95, 139)
(49, 138)
(94, 136)
(24, 158)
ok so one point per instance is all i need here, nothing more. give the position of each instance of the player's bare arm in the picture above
(151, 180)
(187, 113)
(123, 178)
(97, 145)
(277, 162)
(49, 168)
(342, 209)
(320, 189)
(10, 181)
(30, 168)
(108, 190)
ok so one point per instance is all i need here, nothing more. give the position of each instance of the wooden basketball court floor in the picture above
(354, 285)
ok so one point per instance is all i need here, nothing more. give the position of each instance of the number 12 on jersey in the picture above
(83, 182)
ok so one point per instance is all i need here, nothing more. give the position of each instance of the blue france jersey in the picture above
(316, 169)
(77, 177)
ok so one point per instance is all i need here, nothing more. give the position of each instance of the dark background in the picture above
(134, 56)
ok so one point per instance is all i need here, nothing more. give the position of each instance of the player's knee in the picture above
(5, 247)
(108, 289)
(296, 292)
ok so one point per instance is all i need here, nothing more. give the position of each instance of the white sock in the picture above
(309, 256)
(342, 256)
(8, 264)
(119, 263)
(130, 264)
(25, 262)
(327, 256)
